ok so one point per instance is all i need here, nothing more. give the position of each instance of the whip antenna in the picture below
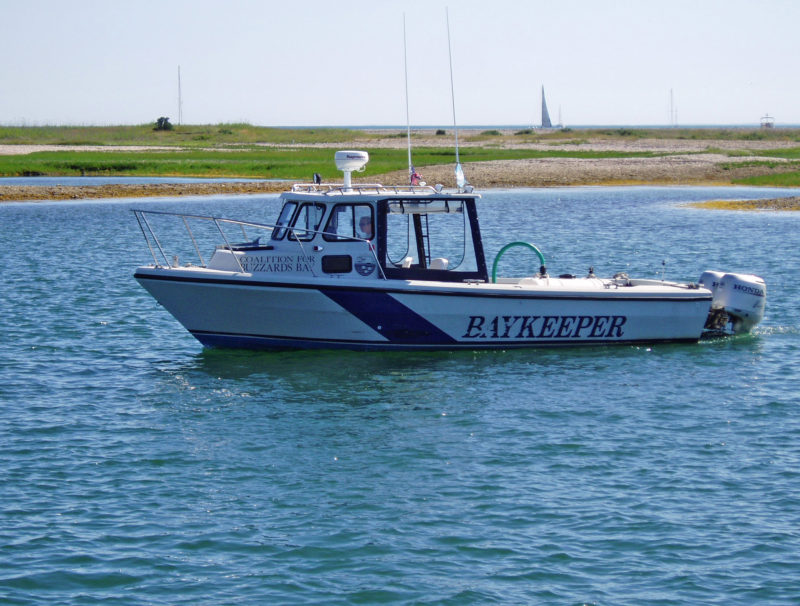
(461, 180)
(408, 119)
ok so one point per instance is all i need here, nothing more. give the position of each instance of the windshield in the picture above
(307, 222)
(283, 221)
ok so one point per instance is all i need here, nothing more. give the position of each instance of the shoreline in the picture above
(776, 204)
(678, 162)
(43, 193)
(48, 193)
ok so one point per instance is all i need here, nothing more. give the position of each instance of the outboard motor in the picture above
(738, 301)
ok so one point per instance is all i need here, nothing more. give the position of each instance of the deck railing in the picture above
(157, 249)
(361, 188)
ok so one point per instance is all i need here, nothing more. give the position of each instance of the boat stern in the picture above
(739, 301)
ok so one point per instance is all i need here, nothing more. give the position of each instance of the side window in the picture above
(283, 221)
(307, 222)
(348, 221)
(365, 223)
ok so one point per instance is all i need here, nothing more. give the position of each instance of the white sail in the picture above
(545, 115)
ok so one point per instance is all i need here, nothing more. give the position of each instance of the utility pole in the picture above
(180, 101)
(673, 113)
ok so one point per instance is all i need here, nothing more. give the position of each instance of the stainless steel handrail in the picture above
(147, 228)
(142, 220)
(363, 188)
(196, 247)
(228, 244)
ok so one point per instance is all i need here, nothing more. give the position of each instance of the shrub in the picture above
(163, 123)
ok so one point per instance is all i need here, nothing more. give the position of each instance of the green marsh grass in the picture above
(262, 163)
(787, 179)
(180, 136)
(243, 134)
(244, 150)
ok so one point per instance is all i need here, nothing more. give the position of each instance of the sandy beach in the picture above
(675, 162)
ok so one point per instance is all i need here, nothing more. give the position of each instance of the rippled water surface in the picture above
(138, 468)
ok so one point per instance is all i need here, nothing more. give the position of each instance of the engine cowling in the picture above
(742, 298)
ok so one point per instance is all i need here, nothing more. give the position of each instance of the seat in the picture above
(438, 263)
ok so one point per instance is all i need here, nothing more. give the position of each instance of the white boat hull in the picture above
(229, 309)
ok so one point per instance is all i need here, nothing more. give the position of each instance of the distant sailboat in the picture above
(545, 115)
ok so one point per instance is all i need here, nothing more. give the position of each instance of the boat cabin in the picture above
(362, 231)
(372, 231)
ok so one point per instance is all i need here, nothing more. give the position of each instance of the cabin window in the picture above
(283, 220)
(350, 221)
(307, 222)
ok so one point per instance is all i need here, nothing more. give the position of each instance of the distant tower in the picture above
(673, 112)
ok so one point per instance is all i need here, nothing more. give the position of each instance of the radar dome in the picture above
(351, 160)
(348, 161)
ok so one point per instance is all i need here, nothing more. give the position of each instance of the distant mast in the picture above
(673, 111)
(545, 115)
(180, 100)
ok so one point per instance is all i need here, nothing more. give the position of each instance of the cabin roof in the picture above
(376, 190)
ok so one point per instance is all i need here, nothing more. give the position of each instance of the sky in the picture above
(329, 63)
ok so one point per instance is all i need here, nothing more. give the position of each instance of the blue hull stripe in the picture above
(259, 342)
(388, 317)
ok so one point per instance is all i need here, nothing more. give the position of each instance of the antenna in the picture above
(673, 112)
(180, 101)
(408, 119)
(461, 180)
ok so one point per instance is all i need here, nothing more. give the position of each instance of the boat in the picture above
(545, 114)
(547, 123)
(378, 268)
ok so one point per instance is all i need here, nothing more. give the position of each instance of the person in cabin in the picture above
(365, 228)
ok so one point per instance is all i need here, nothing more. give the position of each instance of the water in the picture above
(137, 468)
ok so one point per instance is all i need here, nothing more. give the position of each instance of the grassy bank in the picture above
(178, 136)
(204, 135)
(247, 151)
(263, 163)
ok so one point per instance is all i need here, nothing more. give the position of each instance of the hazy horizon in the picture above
(316, 63)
